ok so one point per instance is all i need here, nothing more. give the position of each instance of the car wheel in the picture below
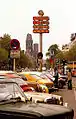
(60, 85)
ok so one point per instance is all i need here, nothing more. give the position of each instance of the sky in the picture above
(16, 19)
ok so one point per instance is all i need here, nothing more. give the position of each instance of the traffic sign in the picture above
(15, 53)
(14, 44)
(40, 24)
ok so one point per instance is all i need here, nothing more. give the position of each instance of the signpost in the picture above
(40, 25)
(15, 52)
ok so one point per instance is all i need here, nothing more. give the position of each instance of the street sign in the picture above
(40, 24)
(14, 44)
(15, 53)
(40, 31)
(40, 18)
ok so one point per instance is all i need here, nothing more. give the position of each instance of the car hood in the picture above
(33, 108)
(41, 96)
(44, 81)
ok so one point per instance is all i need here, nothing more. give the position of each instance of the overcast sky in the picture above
(16, 19)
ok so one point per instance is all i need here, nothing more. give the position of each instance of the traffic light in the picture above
(40, 55)
(64, 62)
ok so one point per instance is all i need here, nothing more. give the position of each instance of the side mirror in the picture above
(24, 78)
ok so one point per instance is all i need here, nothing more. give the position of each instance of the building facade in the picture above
(29, 44)
(72, 42)
(31, 49)
(35, 49)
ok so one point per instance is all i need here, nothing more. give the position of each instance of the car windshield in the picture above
(44, 76)
(36, 76)
(10, 90)
(19, 81)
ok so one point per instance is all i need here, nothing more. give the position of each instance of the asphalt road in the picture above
(69, 96)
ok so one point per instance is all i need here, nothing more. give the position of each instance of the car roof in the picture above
(31, 72)
(6, 81)
(6, 71)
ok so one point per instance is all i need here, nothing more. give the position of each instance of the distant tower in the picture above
(35, 49)
(29, 44)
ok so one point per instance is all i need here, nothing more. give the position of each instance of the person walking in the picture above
(69, 79)
(56, 77)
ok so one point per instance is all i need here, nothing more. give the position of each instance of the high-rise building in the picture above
(29, 44)
(35, 49)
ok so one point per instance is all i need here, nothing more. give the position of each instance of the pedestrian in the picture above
(69, 74)
(56, 77)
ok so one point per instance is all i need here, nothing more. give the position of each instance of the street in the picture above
(69, 96)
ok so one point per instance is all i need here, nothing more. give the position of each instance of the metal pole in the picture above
(40, 42)
(41, 50)
(9, 60)
(14, 64)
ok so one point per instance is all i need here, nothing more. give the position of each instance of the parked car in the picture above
(25, 85)
(14, 77)
(28, 89)
(15, 104)
(64, 77)
(38, 87)
(34, 77)
(61, 79)
(38, 97)
(22, 84)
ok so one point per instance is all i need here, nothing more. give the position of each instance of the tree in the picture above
(5, 42)
(56, 50)
(24, 61)
(48, 64)
(72, 53)
(48, 53)
(3, 54)
(3, 59)
(60, 55)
